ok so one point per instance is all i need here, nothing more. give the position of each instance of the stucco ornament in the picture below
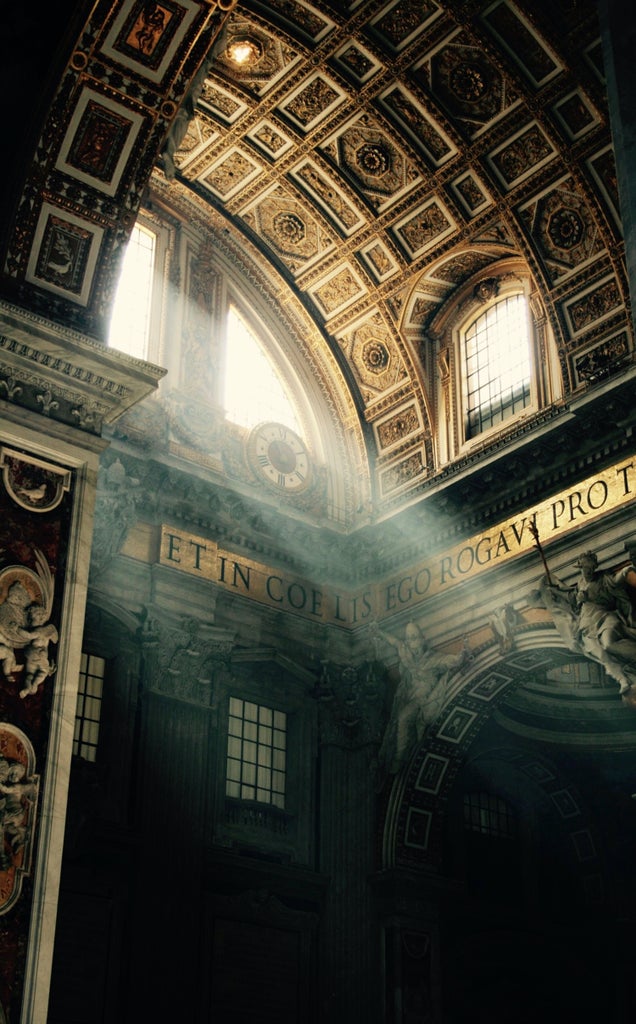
(26, 600)
(19, 787)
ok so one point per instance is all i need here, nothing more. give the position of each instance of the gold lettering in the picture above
(560, 514)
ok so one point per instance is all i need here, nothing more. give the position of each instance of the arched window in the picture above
(497, 363)
(130, 321)
(252, 389)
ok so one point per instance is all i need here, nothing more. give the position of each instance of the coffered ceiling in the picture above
(373, 156)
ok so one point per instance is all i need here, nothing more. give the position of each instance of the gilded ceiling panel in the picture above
(312, 102)
(330, 196)
(522, 42)
(403, 473)
(270, 139)
(400, 23)
(356, 61)
(230, 173)
(467, 84)
(410, 116)
(365, 153)
(374, 356)
(380, 260)
(472, 194)
(301, 17)
(563, 228)
(398, 426)
(338, 290)
(593, 305)
(266, 55)
(425, 227)
(292, 231)
(521, 155)
(576, 115)
(224, 104)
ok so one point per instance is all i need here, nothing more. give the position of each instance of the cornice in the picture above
(67, 376)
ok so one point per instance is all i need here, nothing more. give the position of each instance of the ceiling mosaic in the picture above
(376, 155)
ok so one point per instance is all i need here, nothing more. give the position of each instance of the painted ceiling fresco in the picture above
(376, 155)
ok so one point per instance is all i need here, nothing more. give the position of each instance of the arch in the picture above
(476, 279)
(413, 816)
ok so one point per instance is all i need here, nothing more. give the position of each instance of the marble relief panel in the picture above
(99, 141)
(431, 773)
(36, 510)
(147, 44)
(417, 831)
(64, 254)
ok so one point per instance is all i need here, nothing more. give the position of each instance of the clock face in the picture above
(279, 457)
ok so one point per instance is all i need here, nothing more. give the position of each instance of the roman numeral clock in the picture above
(279, 457)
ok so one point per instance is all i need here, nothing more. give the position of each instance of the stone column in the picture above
(349, 741)
(181, 658)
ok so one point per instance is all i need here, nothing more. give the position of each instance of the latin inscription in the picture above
(567, 511)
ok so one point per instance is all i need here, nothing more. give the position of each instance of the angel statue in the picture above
(420, 695)
(25, 612)
(595, 618)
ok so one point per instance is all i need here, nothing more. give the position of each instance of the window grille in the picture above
(89, 706)
(256, 753)
(489, 815)
(497, 365)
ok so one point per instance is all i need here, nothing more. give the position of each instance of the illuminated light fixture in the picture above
(244, 52)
